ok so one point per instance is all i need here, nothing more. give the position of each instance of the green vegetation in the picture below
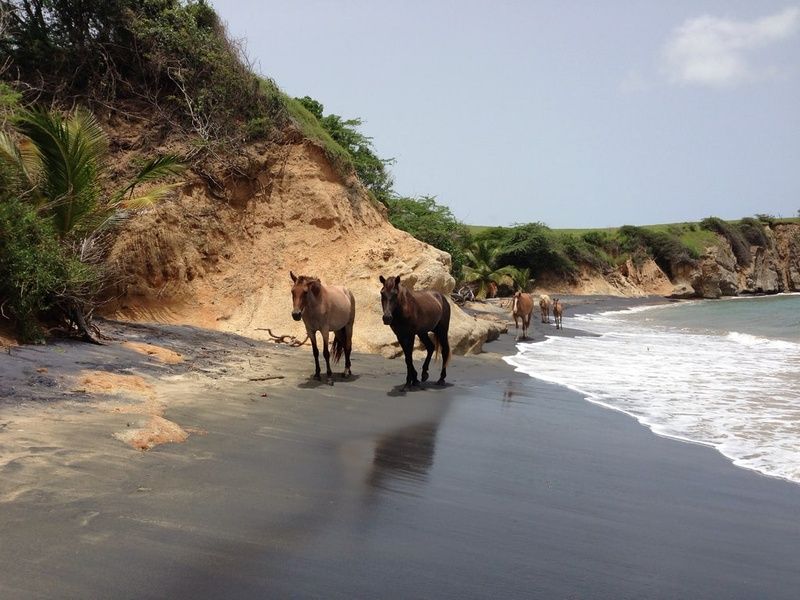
(371, 170)
(55, 215)
(483, 269)
(739, 245)
(172, 55)
(433, 224)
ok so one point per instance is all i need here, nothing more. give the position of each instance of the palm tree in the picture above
(60, 164)
(481, 268)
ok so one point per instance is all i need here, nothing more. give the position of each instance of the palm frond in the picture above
(150, 198)
(156, 168)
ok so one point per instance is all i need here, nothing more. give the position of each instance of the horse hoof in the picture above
(329, 381)
(440, 382)
(424, 377)
(317, 377)
(415, 383)
(346, 374)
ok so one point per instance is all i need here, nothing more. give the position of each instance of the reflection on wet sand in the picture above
(403, 456)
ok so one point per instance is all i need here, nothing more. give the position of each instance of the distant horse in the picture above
(325, 308)
(410, 314)
(544, 307)
(522, 308)
(558, 312)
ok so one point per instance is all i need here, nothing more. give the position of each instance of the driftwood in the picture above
(289, 340)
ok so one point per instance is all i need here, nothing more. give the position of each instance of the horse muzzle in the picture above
(296, 314)
(387, 319)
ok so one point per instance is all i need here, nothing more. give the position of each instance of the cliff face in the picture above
(219, 256)
(773, 269)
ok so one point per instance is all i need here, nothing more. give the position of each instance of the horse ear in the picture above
(397, 281)
(293, 276)
(383, 281)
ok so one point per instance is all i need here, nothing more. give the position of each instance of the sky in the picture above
(572, 113)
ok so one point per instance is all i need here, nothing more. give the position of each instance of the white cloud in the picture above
(714, 51)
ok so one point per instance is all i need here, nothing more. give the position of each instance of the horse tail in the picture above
(444, 327)
(337, 347)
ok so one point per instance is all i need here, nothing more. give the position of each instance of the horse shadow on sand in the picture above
(312, 382)
(403, 389)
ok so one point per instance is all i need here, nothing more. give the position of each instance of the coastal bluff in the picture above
(772, 269)
(218, 255)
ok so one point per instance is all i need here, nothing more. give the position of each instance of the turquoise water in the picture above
(771, 317)
(725, 373)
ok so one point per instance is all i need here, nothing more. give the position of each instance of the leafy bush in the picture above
(174, 53)
(371, 170)
(754, 232)
(535, 246)
(34, 269)
(433, 224)
(666, 249)
(740, 247)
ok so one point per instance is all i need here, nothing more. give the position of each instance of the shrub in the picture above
(754, 232)
(174, 53)
(665, 248)
(433, 224)
(739, 246)
(535, 246)
(34, 269)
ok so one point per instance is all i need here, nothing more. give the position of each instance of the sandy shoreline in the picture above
(497, 485)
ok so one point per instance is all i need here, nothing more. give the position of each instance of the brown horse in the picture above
(410, 314)
(544, 307)
(325, 308)
(558, 312)
(522, 308)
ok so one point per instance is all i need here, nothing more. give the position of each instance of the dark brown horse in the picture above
(325, 308)
(558, 312)
(411, 314)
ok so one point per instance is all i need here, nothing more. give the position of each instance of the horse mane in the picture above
(306, 278)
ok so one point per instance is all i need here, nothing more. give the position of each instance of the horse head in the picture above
(302, 286)
(390, 293)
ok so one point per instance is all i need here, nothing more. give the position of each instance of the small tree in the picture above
(481, 269)
(59, 166)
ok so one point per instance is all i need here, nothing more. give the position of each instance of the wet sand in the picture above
(497, 485)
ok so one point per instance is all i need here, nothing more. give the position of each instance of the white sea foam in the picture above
(737, 392)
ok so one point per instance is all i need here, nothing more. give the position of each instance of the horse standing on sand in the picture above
(522, 308)
(544, 307)
(410, 314)
(558, 312)
(325, 308)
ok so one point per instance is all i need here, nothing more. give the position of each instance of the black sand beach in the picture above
(497, 485)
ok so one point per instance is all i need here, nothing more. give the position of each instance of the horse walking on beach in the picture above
(325, 308)
(410, 314)
(558, 312)
(522, 308)
(544, 307)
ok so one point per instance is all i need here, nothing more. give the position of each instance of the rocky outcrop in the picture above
(773, 269)
(219, 257)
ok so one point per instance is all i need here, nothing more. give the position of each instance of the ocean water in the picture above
(725, 373)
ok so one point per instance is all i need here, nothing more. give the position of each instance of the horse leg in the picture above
(426, 341)
(327, 354)
(347, 341)
(444, 344)
(315, 350)
(407, 343)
